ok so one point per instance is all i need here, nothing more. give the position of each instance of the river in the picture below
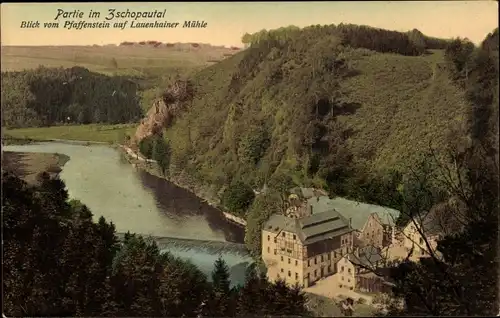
(138, 202)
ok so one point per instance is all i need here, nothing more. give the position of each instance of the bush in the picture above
(361, 301)
(238, 197)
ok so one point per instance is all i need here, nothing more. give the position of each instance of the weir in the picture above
(212, 247)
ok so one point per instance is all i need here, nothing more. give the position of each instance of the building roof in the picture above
(441, 219)
(358, 212)
(366, 256)
(310, 229)
(306, 193)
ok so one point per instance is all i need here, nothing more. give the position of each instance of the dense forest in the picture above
(58, 262)
(356, 36)
(52, 96)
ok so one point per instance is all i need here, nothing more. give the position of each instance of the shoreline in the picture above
(202, 193)
(29, 165)
(147, 165)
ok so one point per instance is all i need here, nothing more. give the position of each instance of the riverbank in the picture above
(29, 165)
(182, 181)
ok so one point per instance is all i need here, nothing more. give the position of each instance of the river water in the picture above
(138, 202)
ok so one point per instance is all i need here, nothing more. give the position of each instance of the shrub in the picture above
(238, 197)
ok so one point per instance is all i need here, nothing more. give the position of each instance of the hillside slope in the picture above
(311, 107)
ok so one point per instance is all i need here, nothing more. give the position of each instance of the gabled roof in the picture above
(366, 256)
(311, 229)
(358, 212)
(442, 219)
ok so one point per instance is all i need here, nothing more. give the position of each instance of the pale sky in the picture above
(227, 22)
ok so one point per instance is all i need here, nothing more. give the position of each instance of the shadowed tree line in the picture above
(357, 36)
(50, 96)
(58, 262)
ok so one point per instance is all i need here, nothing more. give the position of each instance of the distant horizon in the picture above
(228, 21)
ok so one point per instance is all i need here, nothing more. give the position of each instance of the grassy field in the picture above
(94, 132)
(111, 60)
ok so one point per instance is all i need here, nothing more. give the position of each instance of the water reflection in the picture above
(181, 205)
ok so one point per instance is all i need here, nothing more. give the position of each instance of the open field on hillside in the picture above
(123, 60)
(404, 103)
(94, 132)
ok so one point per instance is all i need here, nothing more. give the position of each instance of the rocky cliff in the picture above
(174, 100)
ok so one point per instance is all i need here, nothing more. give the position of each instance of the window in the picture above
(329, 256)
(335, 254)
(342, 269)
(329, 268)
(282, 258)
(421, 241)
(349, 270)
(308, 275)
(315, 260)
(283, 234)
(289, 260)
(342, 277)
(348, 280)
(296, 263)
(296, 275)
(350, 288)
(322, 258)
(275, 240)
(268, 249)
(315, 273)
(269, 237)
(282, 270)
(308, 262)
(294, 237)
(289, 274)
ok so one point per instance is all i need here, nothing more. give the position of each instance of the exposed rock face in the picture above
(164, 110)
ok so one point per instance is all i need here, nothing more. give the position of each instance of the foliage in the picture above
(253, 146)
(463, 280)
(262, 208)
(412, 43)
(157, 148)
(58, 262)
(238, 197)
(320, 106)
(459, 53)
(46, 96)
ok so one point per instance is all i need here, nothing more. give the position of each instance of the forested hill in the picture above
(50, 96)
(316, 104)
